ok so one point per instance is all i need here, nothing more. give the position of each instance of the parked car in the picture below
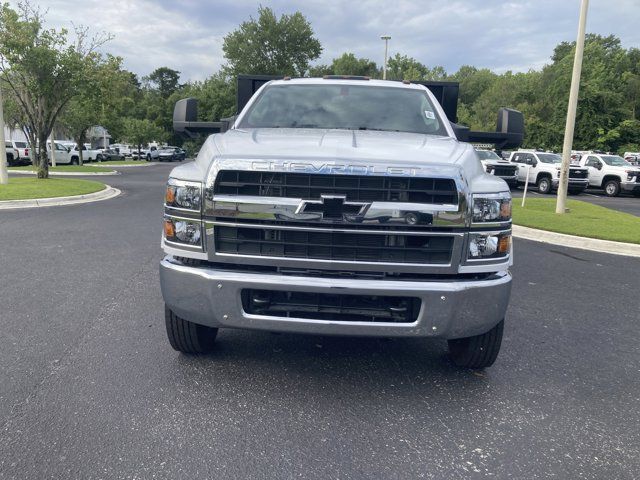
(63, 155)
(632, 157)
(179, 153)
(12, 155)
(495, 165)
(612, 173)
(166, 155)
(151, 153)
(544, 171)
(122, 149)
(21, 149)
(88, 154)
(109, 154)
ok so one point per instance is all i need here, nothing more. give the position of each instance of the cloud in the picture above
(502, 35)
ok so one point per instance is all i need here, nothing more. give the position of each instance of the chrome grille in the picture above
(363, 188)
(386, 247)
(504, 171)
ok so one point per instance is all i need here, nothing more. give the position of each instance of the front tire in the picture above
(612, 188)
(188, 337)
(479, 351)
(544, 185)
(74, 161)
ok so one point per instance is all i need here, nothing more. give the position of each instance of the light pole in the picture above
(571, 111)
(386, 39)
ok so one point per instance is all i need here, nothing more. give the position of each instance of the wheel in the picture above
(74, 161)
(544, 185)
(188, 337)
(148, 157)
(636, 194)
(99, 157)
(479, 351)
(612, 188)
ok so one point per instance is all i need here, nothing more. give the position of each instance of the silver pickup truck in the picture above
(339, 206)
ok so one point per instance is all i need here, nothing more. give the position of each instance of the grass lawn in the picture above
(584, 219)
(29, 187)
(64, 168)
(112, 163)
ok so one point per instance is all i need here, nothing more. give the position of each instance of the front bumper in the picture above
(574, 183)
(450, 308)
(630, 187)
(512, 180)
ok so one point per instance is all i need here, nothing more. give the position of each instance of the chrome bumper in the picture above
(450, 309)
(573, 182)
(630, 186)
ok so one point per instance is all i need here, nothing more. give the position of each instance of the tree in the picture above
(271, 46)
(166, 80)
(139, 132)
(100, 86)
(43, 69)
(402, 67)
(349, 64)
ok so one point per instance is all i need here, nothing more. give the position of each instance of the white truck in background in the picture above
(544, 171)
(612, 173)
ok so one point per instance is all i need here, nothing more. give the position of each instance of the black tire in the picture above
(636, 194)
(188, 337)
(74, 161)
(611, 188)
(544, 185)
(479, 351)
(148, 157)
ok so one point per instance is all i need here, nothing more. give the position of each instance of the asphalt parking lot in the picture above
(92, 389)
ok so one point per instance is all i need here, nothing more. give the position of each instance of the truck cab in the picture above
(611, 173)
(543, 170)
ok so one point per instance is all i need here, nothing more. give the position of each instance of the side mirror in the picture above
(510, 121)
(511, 124)
(534, 163)
(599, 165)
(185, 119)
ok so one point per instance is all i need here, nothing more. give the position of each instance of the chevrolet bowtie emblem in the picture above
(332, 207)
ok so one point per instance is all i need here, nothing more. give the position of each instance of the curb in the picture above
(125, 166)
(572, 241)
(105, 194)
(70, 174)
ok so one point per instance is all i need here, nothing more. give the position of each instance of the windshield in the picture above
(351, 107)
(615, 161)
(21, 144)
(487, 155)
(549, 157)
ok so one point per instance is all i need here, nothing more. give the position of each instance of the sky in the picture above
(187, 35)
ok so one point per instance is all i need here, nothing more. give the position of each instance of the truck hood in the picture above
(315, 144)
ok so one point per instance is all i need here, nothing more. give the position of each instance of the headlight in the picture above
(182, 231)
(185, 195)
(489, 245)
(492, 207)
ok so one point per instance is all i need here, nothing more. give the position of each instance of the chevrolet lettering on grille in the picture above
(333, 207)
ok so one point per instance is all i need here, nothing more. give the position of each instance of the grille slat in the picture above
(334, 246)
(353, 187)
(578, 173)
